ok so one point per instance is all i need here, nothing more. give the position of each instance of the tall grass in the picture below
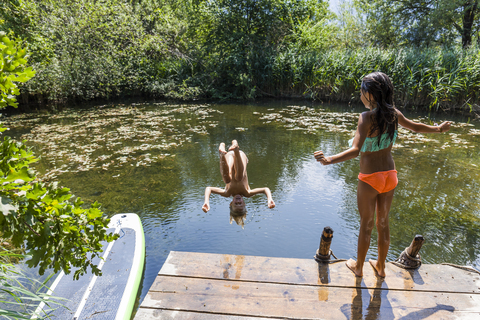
(429, 78)
(20, 294)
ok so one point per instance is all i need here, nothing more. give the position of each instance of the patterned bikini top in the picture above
(371, 143)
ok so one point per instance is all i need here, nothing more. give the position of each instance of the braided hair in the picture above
(384, 117)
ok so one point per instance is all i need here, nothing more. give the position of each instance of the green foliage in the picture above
(12, 70)
(55, 229)
(431, 77)
(352, 27)
(421, 22)
(83, 50)
(182, 49)
(244, 38)
(225, 49)
(57, 232)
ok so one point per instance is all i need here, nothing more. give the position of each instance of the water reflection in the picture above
(410, 278)
(157, 159)
(237, 267)
(323, 278)
(323, 273)
(322, 293)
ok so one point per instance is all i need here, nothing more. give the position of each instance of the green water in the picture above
(156, 160)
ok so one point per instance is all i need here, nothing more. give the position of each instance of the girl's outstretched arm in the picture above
(266, 191)
(421, 127)
(354, 150)
(208, 191)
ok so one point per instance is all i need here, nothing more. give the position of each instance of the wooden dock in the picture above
(222, 286)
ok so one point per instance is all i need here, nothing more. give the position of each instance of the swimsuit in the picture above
(382, 181)
(371, 143)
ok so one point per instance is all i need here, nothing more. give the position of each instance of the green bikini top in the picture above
(371, 143)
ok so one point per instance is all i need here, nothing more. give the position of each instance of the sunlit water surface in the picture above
(156, 160)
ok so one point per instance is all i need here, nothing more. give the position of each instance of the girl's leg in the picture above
(226, 164)
(384, 202)
(366, 200)
(239, 161)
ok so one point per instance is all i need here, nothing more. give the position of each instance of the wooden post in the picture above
(323, 252)
(415, 246)
(410, 257)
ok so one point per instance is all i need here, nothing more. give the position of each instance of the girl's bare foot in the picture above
(378, 273)
(234, 146)
(352, 265)
(221, 148)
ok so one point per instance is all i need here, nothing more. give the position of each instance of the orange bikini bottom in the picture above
(382, 181)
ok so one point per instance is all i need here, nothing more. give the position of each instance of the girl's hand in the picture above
(445, 126)
(271, 204)
(205, 207)
(320, 157)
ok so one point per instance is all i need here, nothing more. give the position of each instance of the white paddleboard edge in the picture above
(131, 220)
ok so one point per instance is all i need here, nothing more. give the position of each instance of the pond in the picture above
(156, 159)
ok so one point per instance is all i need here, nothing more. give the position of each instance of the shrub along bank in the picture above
(221, 49)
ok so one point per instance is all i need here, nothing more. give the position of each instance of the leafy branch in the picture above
(12, 70)
(55, 228)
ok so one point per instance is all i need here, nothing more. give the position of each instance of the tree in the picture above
(245, 36)
(352, 27)
(81, 49)
(469, 15)
(56, 230)
(421, 22)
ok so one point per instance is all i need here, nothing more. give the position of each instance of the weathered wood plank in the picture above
(257, 299)
(439, 278)
(155, 314)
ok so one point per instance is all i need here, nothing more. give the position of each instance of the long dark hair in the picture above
(384, 117)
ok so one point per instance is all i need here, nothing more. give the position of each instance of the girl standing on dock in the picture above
(374, 138)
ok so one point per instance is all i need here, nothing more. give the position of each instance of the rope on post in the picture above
(406, 261)
(410, 257)
(326, 258)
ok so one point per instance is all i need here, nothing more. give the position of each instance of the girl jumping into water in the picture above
(374, 138)
(233, 167)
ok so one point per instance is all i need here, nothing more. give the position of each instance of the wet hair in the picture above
(239, 218)
(384, 117)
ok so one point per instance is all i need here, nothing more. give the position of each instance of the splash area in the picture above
(156, 160)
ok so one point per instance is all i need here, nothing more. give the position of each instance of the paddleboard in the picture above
(111, 295)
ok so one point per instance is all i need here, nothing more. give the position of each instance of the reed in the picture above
(429, 78)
